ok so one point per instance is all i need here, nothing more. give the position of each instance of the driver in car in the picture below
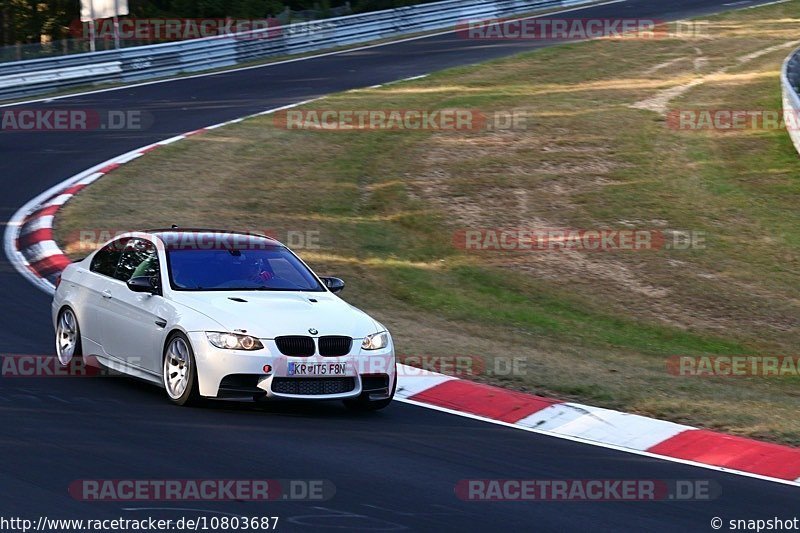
(261, 272)
(148, 267)
(256, 271)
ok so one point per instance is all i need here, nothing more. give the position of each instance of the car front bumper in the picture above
(242, 374)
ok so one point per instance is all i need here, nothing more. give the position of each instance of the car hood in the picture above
(267, 315)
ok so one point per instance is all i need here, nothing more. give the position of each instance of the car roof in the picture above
(176, 232)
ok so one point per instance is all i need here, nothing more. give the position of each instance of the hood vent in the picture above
(240, 300)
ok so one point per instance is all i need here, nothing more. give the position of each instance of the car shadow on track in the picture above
(105, 391)
(154, 395)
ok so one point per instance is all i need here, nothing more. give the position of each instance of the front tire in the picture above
(68, 337)
(180, 371)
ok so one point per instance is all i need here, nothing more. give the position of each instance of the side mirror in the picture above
(143, 284)
(335, 285)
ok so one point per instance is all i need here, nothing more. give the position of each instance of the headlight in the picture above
(232, 341)
(376, 341)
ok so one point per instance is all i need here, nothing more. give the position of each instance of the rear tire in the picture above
(179, 371)
(68, 337)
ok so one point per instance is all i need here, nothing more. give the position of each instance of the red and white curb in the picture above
(604, 427)
(29, 244)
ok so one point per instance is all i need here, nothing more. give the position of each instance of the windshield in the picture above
(272, 268)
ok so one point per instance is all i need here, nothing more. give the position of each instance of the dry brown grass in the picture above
(593, 327)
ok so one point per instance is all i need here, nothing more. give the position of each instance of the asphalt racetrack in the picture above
(394, 470)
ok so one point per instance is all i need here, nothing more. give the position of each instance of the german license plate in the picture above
(317, 369)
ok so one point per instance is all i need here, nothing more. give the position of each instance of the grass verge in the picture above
(596, 153)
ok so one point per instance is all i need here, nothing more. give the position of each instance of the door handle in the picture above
(106, 294)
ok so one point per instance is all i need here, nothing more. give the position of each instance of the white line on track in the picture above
(412, 78)
(768, 4)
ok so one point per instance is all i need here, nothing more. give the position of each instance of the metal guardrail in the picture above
(82, 44)
(790, 87)
(23, 78)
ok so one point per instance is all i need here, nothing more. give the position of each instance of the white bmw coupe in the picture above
(212, 314)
